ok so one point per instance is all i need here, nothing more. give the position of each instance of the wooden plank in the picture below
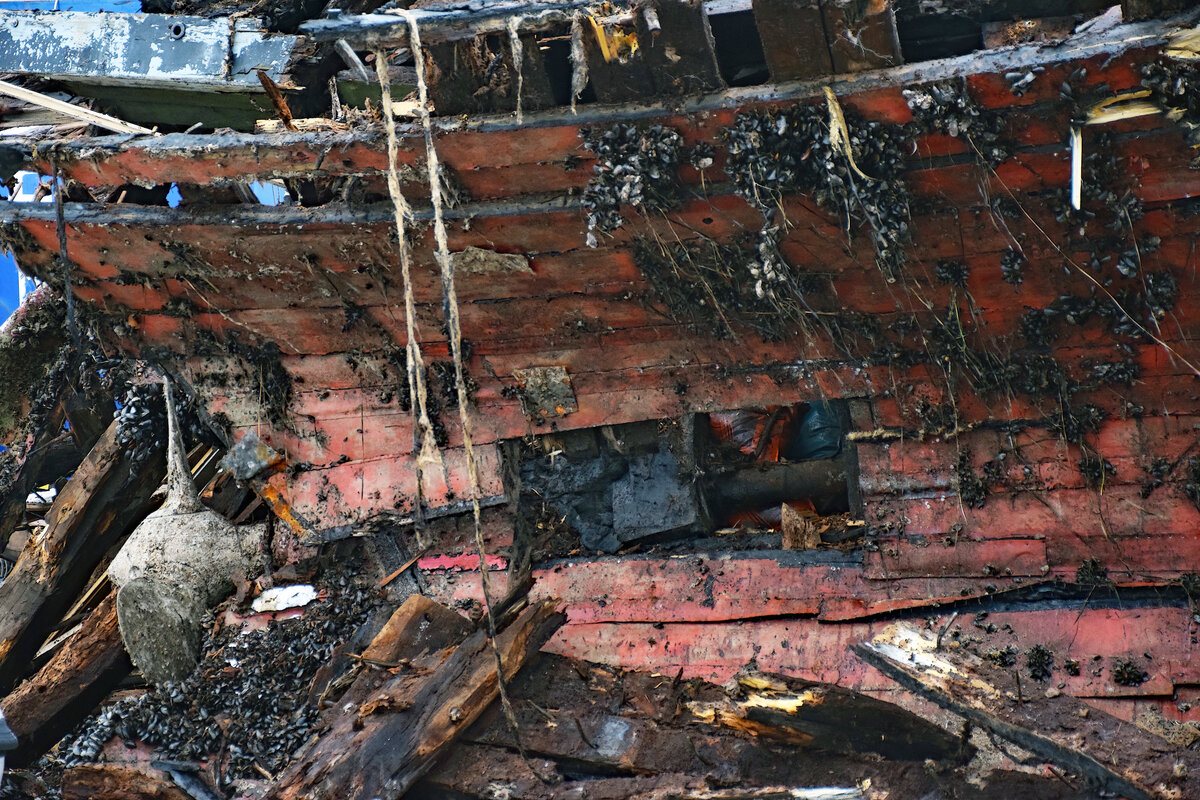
(793, 39)
(88, 517)
(1056, 729)
(1097, 639)
(87, 115)
(64, 692)
(413, 724)
(148, 51)
(861, 35)
(680, 52)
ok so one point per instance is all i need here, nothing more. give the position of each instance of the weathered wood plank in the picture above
(88, 517)
(793, 38)
(680, 50)
(398, 742)
(64, 692)
(1056, 729)
(143, 50)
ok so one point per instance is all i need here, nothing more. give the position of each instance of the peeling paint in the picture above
(141, 49)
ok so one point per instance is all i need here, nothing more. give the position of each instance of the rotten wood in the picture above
(828, 718)
(616, 73)
(105, 121)
(89, 516)
(302, 125)
(47, 706)
(118, 782)
(1106, 752)
(388, 743)
(793, 38)
(861, 35)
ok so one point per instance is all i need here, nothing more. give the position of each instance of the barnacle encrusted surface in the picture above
(775, 153)
(634, 166)
(247, 700)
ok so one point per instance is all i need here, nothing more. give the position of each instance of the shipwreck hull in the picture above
(1024, 450)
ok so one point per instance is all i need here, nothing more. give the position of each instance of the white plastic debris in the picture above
(281, 598)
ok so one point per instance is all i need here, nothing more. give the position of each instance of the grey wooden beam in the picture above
(149, 50)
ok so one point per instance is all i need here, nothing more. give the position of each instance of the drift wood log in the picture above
(89, 517)
(178, 563)
(384, 745)
(49, 705)
(1110, 754)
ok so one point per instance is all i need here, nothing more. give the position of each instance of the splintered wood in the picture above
(378, 743)
(1107, 752)
(88, 517)
(45, 707)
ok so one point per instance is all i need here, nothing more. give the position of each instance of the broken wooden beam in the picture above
(118, 782)
(63, 693)
(88, 517)
(828, 718)
(380, 748)
(1109, 754)
(108, 123)
(420, 625)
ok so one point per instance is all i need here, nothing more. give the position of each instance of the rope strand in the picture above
(450, 299)
(424, 441)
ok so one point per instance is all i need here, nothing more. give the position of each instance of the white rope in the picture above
(579, 69)
(454, 328)
(518, 58)
(418, 393)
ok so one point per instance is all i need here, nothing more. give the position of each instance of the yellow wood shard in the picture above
(839, 135)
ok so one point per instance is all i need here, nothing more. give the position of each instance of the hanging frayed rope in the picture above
(517, 47)
(579, 69)
(454, 328)
(423, 437)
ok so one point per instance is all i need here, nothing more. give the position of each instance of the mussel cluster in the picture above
(790, 150)
(634, 166)
(142, 421)
(947, 107)
(1012, 266)
(1123, 372)
(1175, 85)
(769, 270)
(247, 701)
(952, 272)
(1162, 290)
